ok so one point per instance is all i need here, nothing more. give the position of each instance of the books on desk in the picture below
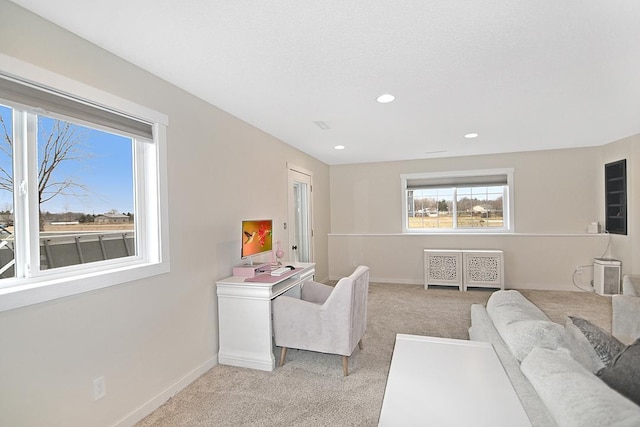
(282, 270)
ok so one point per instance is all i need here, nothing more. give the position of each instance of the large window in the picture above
(471, 201)
(85, 192)
(80, 192)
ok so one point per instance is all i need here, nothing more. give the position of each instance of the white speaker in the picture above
(606, 276)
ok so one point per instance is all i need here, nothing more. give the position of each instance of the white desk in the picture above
(447, 382)
(244, 317)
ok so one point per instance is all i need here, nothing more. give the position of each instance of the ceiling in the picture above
(524, 75)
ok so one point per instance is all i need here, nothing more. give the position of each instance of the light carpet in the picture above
(310, 390)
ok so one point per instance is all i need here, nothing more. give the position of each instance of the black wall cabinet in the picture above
(615, 188)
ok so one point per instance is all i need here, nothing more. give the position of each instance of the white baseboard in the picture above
(528, 286)
(385, 280)
(166, 394)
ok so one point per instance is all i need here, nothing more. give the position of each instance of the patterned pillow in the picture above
(624, 373)
(580, 348)
(605, 345)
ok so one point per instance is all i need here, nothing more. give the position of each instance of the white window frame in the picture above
(458, 177)
(152, 222)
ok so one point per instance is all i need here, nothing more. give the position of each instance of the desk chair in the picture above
(325, 319)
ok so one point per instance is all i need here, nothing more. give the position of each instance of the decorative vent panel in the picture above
(464, 268)
(483, 269)
(443, 268)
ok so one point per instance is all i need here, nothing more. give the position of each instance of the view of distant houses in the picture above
(67, 218)
(113, 218)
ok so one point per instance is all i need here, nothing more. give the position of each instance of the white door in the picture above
(300, 218)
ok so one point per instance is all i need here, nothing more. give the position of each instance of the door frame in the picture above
(291, 168)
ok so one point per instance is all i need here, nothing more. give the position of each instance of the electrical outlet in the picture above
(99, 388)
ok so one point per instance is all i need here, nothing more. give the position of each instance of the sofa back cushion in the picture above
(573, 395)
(521, 324)
(522, 336)
(505, 307)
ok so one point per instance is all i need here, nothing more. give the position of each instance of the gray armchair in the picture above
(325, 319)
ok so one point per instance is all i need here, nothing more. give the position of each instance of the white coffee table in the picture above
(448, 382)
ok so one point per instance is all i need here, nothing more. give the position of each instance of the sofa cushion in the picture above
(505, 307)
(524, 335)
(604, 344)
(521, 324)
(573, 395)
(623, 375)
(581, 348)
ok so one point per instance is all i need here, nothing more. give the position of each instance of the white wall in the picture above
(557, 194)
(148, 335)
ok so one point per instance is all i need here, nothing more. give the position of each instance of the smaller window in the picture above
(470, 201)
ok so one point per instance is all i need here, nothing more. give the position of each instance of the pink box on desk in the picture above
(250, 270)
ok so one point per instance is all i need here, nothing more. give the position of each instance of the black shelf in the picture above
(615, 188)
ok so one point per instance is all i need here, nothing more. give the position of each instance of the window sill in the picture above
(495, 233)
(478, 231)
(66, 285)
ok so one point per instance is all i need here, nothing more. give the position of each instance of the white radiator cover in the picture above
(464, 268)
(443, 268)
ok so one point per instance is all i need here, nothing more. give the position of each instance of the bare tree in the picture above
(62, 143)
(6, 148)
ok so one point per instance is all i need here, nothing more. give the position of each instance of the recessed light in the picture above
(386, 98)
(339, 147)
(471, 135)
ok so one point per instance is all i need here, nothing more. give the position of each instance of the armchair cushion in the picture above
(315, 292)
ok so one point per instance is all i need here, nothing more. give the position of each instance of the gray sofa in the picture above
(553, 367)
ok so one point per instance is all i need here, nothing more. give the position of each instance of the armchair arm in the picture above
(631, 285)
(309, 326)
(625, 322)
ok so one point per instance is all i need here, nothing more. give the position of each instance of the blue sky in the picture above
(105, 170)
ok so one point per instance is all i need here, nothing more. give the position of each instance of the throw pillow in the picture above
(605, 345)
(580, 348)
(624, 373)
